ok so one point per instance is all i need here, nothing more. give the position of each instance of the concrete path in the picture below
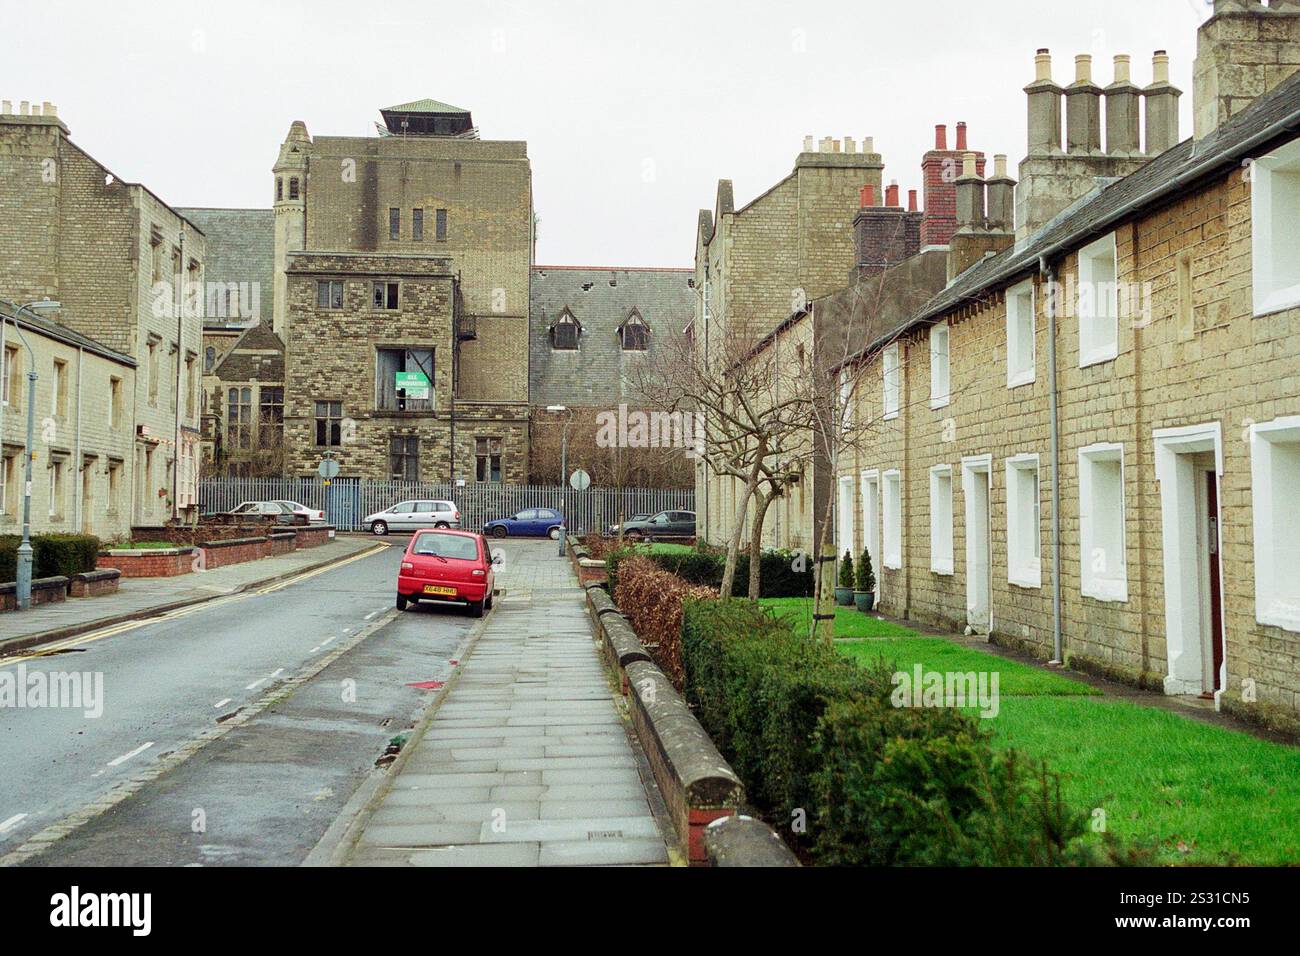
(141, 596)
(527, 761)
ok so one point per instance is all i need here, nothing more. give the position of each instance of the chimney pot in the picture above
(1083, 68)
(1123, 68)
(24, 108)
(6, 107)
(867, 196)
(868, 144)
(891, 195)
(911, 200)
(961, 136)
(1043, 65)
(1160, 66)
(941, 137)
(1000, 166)
(850, 145)
(968, 165)
(808, 144)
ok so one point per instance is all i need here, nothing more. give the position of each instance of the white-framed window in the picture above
(846, 399)
(844, 507)
(1024, 517)
(1021, 355)
(870, 489)
(940, 390)
(1104, 571)
(893, 380)
(1274, 210)
(893, 520)
(1275, 501)
(1098, 305)
(941, 561)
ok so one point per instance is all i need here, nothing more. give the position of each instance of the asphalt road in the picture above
(266, 791)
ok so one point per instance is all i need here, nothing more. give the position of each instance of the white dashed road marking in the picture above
(125, 757)
(221, 703)
(12, 822)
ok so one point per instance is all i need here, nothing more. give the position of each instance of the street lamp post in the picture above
(24, 583)
(564, 471)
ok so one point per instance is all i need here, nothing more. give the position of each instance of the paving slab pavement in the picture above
(527, 761)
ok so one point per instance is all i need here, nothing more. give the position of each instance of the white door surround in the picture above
(1181, 504)
(977, 486)
(870, 491)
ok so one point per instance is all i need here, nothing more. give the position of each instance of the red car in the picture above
(445, 565)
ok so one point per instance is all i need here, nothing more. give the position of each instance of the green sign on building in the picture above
(415, 384)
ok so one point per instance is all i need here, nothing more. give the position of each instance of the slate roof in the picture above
(1273, 118)
(243, 362)
(601, 299)
(426, 106)
(48, 327)
(240, 248)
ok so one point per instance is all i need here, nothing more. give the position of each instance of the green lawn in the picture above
(143, 545)
(849, 622)
(664, 547)
(1198, 793)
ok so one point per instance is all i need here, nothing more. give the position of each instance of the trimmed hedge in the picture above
(782, 573)
(53, 555)
(808, 730)
(651, 600)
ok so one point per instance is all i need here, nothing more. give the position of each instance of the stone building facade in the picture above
(593, 333)
(1101, 424)
(125, 266)
(425, 204)
(81, 473)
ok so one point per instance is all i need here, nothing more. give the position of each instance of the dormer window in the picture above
(634, 333)
(565, 332)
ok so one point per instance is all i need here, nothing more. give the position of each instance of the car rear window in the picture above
(446, 546)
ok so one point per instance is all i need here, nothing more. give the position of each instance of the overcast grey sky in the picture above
(632, 112)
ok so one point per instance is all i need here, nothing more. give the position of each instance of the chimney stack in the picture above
(970, 196)
(1162, 107)
(1001, 197)
(1044, 108)
(1242, 52)
(1083, 110)
(1123, 101)
(940, 168)
(1052, 180)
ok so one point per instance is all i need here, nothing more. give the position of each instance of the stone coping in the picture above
(38, 584)
(745, 841)
(128, 552)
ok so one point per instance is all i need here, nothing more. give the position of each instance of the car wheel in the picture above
(487, 601)
(442, 524)
(555, 534)
(379, 527)
(475, 608)
(499, 532)
(402, 601)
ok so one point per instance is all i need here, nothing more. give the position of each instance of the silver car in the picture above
(414, 515)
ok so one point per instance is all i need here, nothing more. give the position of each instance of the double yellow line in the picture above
(91, 637)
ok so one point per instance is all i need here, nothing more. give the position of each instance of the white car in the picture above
(414, 515)
(312, 515)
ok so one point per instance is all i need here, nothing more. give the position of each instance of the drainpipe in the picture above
(1048, 272)
(79, 517)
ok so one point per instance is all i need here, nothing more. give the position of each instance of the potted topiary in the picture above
(844, 592)
(864, 583)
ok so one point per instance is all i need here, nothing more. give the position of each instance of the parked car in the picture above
(446, 565)
(639, 516)
(312, 515)
(666, 524)
(531, 522)
(413, 515)
(265, 509)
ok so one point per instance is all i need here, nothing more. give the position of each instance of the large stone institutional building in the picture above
(1082, 436)
(409, 253)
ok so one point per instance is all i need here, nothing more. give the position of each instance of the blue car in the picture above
(529, 523)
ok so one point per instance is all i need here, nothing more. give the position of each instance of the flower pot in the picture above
(844, 597)
(864, 600)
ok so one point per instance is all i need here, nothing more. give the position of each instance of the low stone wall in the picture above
(696, 783)
(184, 536)
(44, 591)
(95, 583)
(283, 542)
(745, 841)
(219, 554)
(154, 563)
(313, 536)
